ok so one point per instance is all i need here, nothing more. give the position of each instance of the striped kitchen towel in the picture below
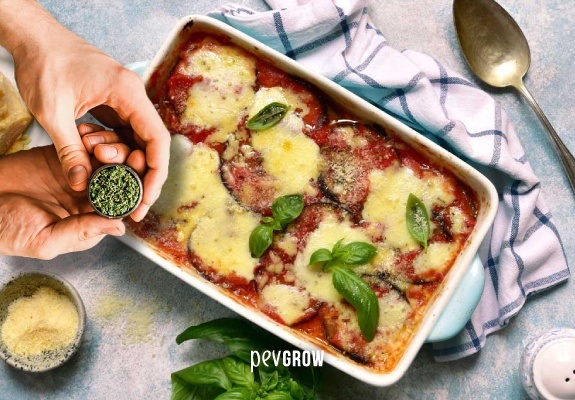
(523, 253)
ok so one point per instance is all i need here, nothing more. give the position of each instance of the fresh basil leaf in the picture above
(237, 393)
(182, 390)
(337, 247)
(361, 296)
(269, 379)
(287, 208)
(306, 377)
(355, 253)
(310, 395)
(267, 220)
(417, 220)
(296, 391)
(276, 225)
(267, 117)
(320, 256)
(278, 395)
(238, 371)
(219, 330)
(241, 338)
(207, 373)
(236, 334)
(243, 347)
(284, 383)
(260, 239)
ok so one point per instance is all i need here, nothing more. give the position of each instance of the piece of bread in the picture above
(14, 115)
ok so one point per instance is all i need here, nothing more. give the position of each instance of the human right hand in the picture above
(61, 77)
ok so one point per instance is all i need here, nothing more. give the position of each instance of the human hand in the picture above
(41, 215)
(61, 77)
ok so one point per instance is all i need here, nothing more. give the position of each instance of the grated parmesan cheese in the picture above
(47, 321)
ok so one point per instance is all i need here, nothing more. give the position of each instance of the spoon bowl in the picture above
(498, 53)
(492, 42)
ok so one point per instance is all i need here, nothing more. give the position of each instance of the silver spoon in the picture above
(499, 55)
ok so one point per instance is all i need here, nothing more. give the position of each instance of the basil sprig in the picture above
(417, 220)
(347, 283)
(267, 117)
(284, 210)
(231, 377)
(352, 254)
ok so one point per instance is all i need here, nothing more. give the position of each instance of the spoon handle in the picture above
(566, 157)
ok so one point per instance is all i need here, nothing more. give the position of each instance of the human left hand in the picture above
(41, 216)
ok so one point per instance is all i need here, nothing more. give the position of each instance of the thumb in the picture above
(77, 233)
(71, 153)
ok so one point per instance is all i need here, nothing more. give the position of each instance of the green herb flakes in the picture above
(114, 191)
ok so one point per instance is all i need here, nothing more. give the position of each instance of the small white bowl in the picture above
(26, 284)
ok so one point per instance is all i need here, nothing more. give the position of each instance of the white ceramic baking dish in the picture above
(156, 74)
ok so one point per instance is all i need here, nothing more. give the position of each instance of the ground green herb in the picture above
(114, 191)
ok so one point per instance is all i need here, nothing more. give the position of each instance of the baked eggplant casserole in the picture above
(325, 223)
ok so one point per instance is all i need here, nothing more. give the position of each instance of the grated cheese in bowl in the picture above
(41, 321)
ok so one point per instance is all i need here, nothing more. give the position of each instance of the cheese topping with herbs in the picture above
(389, 190)
(312, 278)
(206, 216)
(289, 156)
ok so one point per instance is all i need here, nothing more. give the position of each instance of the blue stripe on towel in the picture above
(514, 230)
(283, 35)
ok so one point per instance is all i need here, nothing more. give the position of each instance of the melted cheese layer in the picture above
(265, 96)
(204, 212)
(220, 100)
(221, 240)
(312, 278)
(436, 258)
(194, 186)
(290, 302)
(389, 190)
(393, 310)
(289, 156)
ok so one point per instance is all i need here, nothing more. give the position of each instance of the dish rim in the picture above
(485, 190)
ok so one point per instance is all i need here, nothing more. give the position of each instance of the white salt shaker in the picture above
(548, 366)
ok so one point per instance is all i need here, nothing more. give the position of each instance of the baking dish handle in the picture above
(459, 309)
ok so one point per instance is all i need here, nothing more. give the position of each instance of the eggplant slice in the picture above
(350, 153)
(282, 159)
(247, 182)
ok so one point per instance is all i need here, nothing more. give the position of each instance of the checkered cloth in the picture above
(522, 254)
